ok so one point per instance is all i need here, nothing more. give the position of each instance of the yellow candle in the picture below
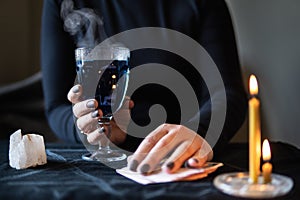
(254, 132)
(267, 167)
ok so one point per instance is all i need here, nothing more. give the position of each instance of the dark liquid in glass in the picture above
(103, 80)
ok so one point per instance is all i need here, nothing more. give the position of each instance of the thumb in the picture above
(74, 95)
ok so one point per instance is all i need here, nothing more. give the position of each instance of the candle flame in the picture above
(253, 85)
(266, 150)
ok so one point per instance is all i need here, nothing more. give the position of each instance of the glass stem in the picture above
(105, 131)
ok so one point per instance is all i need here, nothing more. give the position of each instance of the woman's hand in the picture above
(88, 115)
(178, 144)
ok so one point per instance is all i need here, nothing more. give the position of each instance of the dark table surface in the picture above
(67, 176)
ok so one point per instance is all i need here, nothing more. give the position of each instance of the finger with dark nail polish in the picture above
(90, 104)
(186, 164)
(170, 165)
(75, 89)
(133, 165)
(95, 114)
(145, 169)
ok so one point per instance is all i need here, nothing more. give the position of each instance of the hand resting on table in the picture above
(176, 142)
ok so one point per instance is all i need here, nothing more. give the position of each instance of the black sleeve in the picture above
(217, 37)
(58, 68)
(215, 34)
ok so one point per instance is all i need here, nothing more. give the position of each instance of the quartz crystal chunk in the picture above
(26, 151)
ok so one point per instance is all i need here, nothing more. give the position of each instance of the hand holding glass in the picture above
(103, 73)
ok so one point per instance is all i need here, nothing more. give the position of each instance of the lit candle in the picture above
(254, 131)
(267, 166)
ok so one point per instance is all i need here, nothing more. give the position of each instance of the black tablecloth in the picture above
(67, 176)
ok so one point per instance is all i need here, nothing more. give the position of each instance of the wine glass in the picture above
(103, 73)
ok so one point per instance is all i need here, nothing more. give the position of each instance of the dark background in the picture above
(268, 41)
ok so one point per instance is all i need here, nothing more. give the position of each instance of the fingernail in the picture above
(101, 130)
(170, 165)
(145, 169)
(90, 104)
(95, 114)
(75, 89)
(133, 165)
(186, 164)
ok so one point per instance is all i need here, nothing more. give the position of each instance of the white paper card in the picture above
(183, 174)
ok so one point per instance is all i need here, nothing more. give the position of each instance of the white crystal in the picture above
(26, 151)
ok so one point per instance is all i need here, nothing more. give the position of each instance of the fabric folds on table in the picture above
(67, 176)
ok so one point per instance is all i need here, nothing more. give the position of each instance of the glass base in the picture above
(237, 184)
(104, 156)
